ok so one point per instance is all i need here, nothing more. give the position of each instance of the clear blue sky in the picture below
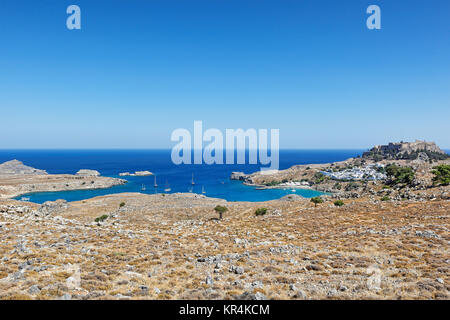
(139, 69)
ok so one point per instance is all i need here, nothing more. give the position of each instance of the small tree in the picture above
(442, 174)
(400, 175)
(339, 203)
(220, 210)
(122, 204)
(101, 218)
(261, 211)
(316, 200)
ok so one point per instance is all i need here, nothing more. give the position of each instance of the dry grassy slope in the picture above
(165, 247)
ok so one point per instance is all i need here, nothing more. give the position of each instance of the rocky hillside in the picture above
(406, 151)
(14, 167)
(135, 246)
(422, 177)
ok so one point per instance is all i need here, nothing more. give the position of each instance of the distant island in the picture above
(136, 174)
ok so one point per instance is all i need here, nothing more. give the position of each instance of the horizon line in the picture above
(192, 149)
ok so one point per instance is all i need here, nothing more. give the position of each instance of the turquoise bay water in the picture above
(213, 179)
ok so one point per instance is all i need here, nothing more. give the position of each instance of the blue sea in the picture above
(213, 179)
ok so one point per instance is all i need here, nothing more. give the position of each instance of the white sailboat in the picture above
(192, 182)
(167, 189)
(155, 185)
(203, 189)
(143, 187)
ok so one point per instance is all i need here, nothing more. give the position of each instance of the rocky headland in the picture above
(17, 179)
(395, 171)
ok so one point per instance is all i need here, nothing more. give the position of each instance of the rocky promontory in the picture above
(403, 170)
(14, 167)
(17, 179)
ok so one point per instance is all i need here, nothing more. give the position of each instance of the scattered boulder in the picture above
(33, 290)
(144, 290)
(52, 207)
(65, 296)
(300, 294)
(209, 280)
(251, 296)
(237, 270)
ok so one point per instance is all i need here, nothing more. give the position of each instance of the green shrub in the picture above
(272, 183)
(261, 211)
(400, 175)
(385, 198)
(122, 204)
(316, 200)
(319, 177)
(352, 186)
(220, 210)
(431, 155)
(339, 203)
(441, 174)
(101, 218)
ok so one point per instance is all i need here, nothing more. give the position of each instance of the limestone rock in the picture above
(143, 173)
(236, 270)
(237, 176)
(250, 296)
(88, 173)
(399, 149)
(34, 290)
(136, 174)
(15, 167)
